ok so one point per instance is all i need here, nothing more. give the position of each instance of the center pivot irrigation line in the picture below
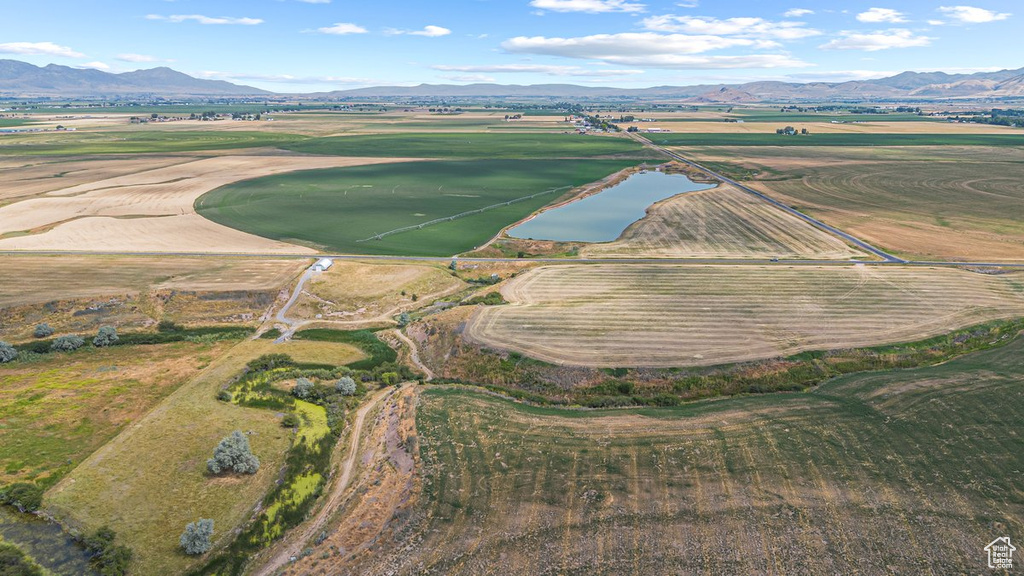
(460, 215)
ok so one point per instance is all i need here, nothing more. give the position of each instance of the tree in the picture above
(233, 453)
(7, 352)
(107, 336)
(67, 343)
(43, 330)
(24, 496)
(346, 386)
(404, 319)
(196, 539)
(303, 388)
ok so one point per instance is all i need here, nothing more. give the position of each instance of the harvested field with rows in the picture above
(721, 223)
(893, 472)
(665, 316)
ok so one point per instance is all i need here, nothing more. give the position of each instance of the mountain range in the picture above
(20, 79)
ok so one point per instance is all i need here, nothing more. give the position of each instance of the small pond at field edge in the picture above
(602, 217)
(45, 542)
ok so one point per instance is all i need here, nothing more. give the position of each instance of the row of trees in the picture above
(106, 336)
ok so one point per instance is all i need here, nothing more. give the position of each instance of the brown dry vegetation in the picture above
(954, 202)
(824, 127)
(903, 472)
(358, 293)
(660, 315)
(721, 223)
(79, 293)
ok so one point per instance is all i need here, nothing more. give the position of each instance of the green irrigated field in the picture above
(334, 209)
(137, 142)
(483, 145)
(907, 472)
(833, 139)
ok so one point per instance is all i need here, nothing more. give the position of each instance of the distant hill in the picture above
(907, 85)
(21, 79)
(25, 80)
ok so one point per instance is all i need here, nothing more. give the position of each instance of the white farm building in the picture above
(322, 264)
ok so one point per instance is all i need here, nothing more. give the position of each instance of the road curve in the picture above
(809, 219)
(298, 538)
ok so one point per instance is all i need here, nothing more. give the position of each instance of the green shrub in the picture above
(7, 352)
(289, 421)
(168, 326)
(346, 386)
(234, 454)
(24, 496)
(43, 331)
(108, 558)
(303, 388)
(270, 361)
(107, 336)
(67, 343)
(197, 537)
(14, 562)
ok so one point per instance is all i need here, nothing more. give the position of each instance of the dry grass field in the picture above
(721, 223)
(359, 292)
(61, 408)
(953, 202)
(660, 315)
(80, 293)
(150, 210)
(906, 472)
(151, 480)
(824, 127)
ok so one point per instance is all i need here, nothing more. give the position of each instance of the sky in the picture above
(321, 45)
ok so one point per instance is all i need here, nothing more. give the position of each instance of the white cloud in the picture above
(551, 70)
(874, 41)
(342, 28)
(588, 6)
(283, 78)
(838, 75)
(742, 27)
(936, 23)
(39, 48)
(94, 66)
(881, 15)
(177, 18)
(797, 12)
(140, 58)
(647, 49)
(973, 15)
(428, 31)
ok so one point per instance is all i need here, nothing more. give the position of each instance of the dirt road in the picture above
(414, 354)
(293, 544)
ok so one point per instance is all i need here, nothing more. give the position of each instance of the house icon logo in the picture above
(1000, 553)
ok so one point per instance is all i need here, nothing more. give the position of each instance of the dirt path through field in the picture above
(292, 545)
(414, 354)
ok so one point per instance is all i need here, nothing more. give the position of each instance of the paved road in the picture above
(813, 221)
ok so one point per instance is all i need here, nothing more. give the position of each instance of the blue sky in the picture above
(314, 45)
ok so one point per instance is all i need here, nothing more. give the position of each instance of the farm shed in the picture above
(323, 264)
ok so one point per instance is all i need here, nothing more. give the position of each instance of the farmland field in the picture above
(721, 223)
(667, 316)
(148, 210)
(137, 142)
(893, 472)
(157, 468)
(59, 409)
(483, 146)
(1008, 138)
(344, 209)
(957, 203)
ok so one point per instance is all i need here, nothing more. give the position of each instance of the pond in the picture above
(45, 542)
(603, 216)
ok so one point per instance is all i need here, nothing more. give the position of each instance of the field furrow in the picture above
(653, 315)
